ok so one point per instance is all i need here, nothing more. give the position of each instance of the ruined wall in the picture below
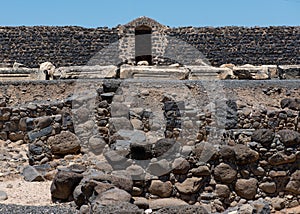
(165, 139)
(66, 46)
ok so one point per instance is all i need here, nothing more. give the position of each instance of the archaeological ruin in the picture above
(144, 118)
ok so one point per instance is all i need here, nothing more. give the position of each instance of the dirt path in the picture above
(21, 192)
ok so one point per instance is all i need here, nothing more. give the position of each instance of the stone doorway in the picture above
(143, 44)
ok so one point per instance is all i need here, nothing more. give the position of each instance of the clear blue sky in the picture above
(99, 13)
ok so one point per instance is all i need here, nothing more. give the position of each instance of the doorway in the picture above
(143, 44)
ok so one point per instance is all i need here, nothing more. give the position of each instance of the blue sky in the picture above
(98, 13)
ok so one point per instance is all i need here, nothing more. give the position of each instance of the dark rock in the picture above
(162, 146)
(246, 188)
(231, 116)
(30, 174)
(245, 155)
(293, 104)
(110, 86)
(22, 124)
(289, 137)
(64, 184)
(243, 74)
(225, 173)
(43, 122)
(33, 135)
(263, 136)
(64, 143)
(141, 151)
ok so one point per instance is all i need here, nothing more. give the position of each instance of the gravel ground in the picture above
(17, 209)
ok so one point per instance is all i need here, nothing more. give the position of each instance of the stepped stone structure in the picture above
(143, 118)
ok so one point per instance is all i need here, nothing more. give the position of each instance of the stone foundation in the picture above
(215, 145)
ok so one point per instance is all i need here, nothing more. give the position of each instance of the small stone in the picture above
(289, 137)
(246, 209)
(280, 158)
(137, 124)
(245, 155)
(166, 202)
(159, 168)
(9, 186)
(136, 191)
(246, 188)
(84, 209)
(180, 166)
(274, 174)
(278, 203)
(141, 202)
(162, 189)
(225, 173)
(268, 187)
(201, 171)
(31, 174)
(189, 186)
(64, 143)
(3, 196)
(263, 136)
(114, 195)
(294, 183)
(222, 191)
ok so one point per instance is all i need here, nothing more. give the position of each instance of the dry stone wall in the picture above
(65, 46)
(143, 143)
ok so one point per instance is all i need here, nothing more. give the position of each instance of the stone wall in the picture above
(239, 45)
(65, 46)
(214, 145)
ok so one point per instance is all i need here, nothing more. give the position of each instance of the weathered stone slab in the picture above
(12, 74)
(153, 72)
(205, 72)
(86, 72)
(37, 134)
